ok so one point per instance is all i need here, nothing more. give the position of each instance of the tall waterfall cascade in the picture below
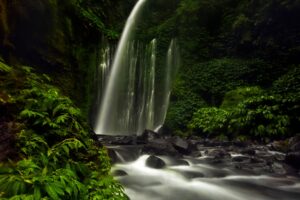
(133, 97)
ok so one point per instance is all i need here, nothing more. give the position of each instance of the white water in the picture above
(172, 65)
(134, 98)
(112, 86)
(210, 183)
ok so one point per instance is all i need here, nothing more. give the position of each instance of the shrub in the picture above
(288, 83)
(266, 116)
(213, 79)
(57, 157)
(234, 97)
(210, 121)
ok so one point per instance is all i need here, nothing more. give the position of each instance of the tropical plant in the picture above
(57, 158)
(209, 121)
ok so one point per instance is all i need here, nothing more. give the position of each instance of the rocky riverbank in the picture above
(276, 158)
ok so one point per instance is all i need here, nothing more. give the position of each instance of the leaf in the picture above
(37, 193)
(61, 119)
(51, 192)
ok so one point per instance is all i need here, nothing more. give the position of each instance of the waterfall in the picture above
(130, 99)
(172, 65)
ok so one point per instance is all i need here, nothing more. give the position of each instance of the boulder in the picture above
(155, 162)
(147, 136)
(281, 146)
(295, 147)
(293, 159)
(248, 151)
(294, 140)
(218, 153)
(117, 140)
(119, 173)
(240, 159)
(160, 147)
(181, 145)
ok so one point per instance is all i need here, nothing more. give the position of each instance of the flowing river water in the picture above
(197, 179)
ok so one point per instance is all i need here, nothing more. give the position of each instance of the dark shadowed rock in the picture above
(180, 145)
(240, 159)
(179, 162)
(119, 173)
(294, 140)
(248, 151)
(293, 158)
(218, 153)
(113, 156)
(155, 162)
(295, 147)
(117, 140)
(160, 147)
(147, 136)
(281, 146)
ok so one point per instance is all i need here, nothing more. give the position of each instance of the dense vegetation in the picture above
(51, 152)
(234, 56)
(239, 78)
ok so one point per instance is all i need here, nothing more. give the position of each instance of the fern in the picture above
(59, 159)
(4, 67)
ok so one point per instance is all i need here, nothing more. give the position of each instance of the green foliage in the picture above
(58, 158)
(4, 67)
(93, 15)
(234, 97)
(265, 116)
(214, 78)
(209, 121)
(183, 104)
(288, 83)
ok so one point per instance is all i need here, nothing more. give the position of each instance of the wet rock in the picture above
(160, 147)
(218, 153)
(278, 168)
(117, 140)
(155, 162)
(180, 162)
(119, 173)
(278, 146)
(240, 159)
(113, 156)
(147, 136)
(293, 159)
(241, 144)
(248, 151)
(294, 140)
(196, 154)
(295, 147)
(180, 145)
(256, 160)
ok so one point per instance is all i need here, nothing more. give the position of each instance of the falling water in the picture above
(172, 65)
(131, 101)
(109, 99)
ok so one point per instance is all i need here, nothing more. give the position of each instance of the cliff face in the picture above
(60, 38)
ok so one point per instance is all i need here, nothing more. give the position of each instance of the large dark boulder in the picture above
(155, 162)
(147, 136)
(281, 146)
(160, 147)
(295, 147)
(181, 145)
(293, 159)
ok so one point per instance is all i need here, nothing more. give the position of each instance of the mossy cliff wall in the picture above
(60, 38)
